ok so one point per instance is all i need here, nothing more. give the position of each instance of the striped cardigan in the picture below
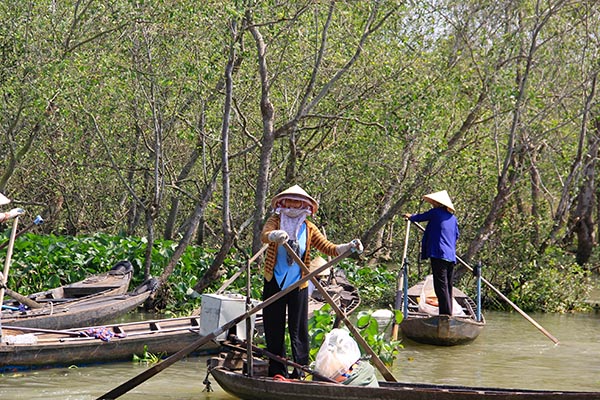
(314, 238)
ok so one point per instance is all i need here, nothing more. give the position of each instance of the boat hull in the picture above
(84, 312)
(441, 330)
(262, 388)
(53, 349)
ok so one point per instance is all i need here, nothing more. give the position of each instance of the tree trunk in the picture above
(583, 216)
(267, 141)
(228, 237)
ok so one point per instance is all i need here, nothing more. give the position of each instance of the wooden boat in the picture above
(97, 300)
(263, 388)
(29, 348)
(116, 281)
(442, 330)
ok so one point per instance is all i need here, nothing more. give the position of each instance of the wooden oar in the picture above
(17, 296)
(3, 276)
(150, 372)
(37, 221)
(357, 336)
(402, 284)
(513, 305)
(242, 269)
(9, 251)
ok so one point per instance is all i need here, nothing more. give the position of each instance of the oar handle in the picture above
(37, 221)
(513, 305)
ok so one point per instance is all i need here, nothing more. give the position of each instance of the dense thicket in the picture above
(180, 120)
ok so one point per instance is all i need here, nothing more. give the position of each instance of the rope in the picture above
(207, 385)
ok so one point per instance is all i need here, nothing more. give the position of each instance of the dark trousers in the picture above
(443, 273)
(274, 317)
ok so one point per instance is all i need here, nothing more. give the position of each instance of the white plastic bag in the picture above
(428, 300)
(337, 354)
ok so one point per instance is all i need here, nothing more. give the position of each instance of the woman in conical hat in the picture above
(289, 224)
(439, 245)
(442, 198)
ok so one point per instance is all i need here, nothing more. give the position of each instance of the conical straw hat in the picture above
(3, 200)
(317, 263)
(440, 198)
(295, 193)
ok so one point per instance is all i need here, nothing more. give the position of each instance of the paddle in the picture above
(402, 284)
(17, 296)
(37, 221)
(357, 336)
(513, 305)
(150, 372)
(9, 252)
(4, 276)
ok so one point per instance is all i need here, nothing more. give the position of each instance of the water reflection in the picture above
(510, 352)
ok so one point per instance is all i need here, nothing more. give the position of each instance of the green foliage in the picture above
(322, 322)
(377, 285)
(318, 325)
(147, 358)
(113, 113)
(376, 337)
(553, 284)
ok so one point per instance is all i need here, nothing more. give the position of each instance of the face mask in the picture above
(294, 212)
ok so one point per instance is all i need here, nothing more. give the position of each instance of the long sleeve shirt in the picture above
(441, 234)
(314, 239)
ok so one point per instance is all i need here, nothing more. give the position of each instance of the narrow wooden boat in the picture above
(30, 348)
(93, 301)
(442, 330)
(114, 282)
(263, 388)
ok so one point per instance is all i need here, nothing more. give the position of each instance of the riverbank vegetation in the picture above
(44, 261)
(177, 121)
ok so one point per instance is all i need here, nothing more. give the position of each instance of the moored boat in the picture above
(96, 300)
(264, 388)
(29, 348)
(115, 281)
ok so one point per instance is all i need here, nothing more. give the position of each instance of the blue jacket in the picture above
(441, 234)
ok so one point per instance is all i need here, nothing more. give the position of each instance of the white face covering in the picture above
(294, 212)
(292, 219)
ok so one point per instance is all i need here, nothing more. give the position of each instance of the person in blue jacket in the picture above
(439, 245)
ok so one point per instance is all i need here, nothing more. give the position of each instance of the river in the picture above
(510, 352)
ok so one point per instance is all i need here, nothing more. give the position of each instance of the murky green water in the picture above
(509, 353)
